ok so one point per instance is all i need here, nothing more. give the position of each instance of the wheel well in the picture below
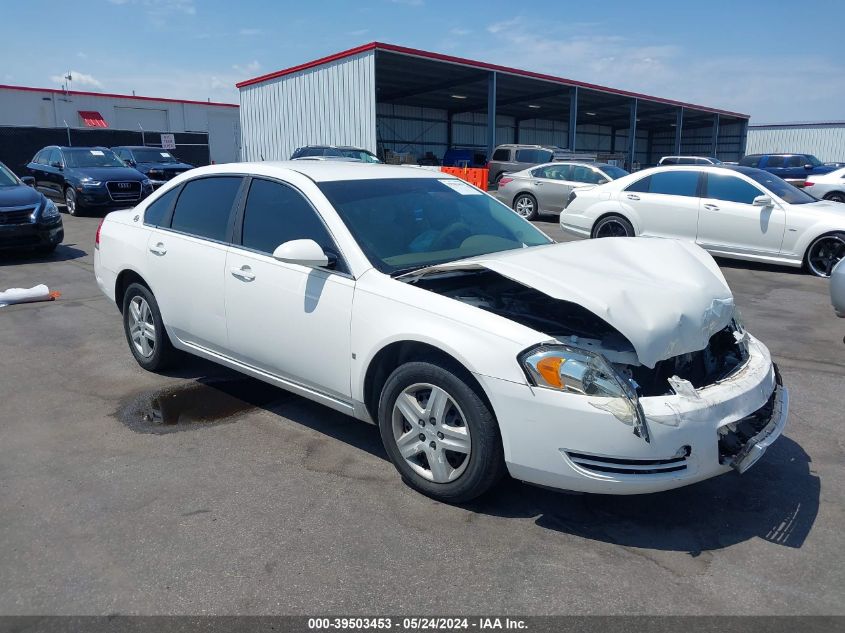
(833, 193)
(816, 239)
(607, 215)
(124, 280)
(401, 352)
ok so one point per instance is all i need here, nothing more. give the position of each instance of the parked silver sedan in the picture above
(837, 288)
(546, 188)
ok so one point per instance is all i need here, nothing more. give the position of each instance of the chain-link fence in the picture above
(18, 145)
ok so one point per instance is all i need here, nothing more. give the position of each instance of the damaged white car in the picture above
(410, 299)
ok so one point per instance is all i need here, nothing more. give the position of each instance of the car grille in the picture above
(18, 216)
(124, 191)
(623, 466)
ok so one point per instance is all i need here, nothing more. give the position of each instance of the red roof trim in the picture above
(393, 48)
(116, 96)
(92, 118)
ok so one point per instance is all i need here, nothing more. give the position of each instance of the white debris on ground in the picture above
(25, 295)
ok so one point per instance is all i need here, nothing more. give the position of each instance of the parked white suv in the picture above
(413, 300)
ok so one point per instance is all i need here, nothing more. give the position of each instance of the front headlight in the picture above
(90, 182)
(146, 183)
(50, 211)
(578, 371)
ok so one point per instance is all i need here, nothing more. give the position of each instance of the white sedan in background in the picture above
(412, 300)
(731, 211)
(830, 186)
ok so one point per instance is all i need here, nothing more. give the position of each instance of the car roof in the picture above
(323, 171)
(138, 147)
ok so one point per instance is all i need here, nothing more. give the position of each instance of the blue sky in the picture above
(778, 61)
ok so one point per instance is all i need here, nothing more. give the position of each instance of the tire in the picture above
(464, 422)
(152, 353)
(525, 206)
(71, 203)
(612, 226)
(835, 196)
(824, 253)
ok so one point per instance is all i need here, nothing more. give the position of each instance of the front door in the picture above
(289, 320)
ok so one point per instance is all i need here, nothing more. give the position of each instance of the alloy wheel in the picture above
(824, 254)
(70, 201)
(142, 328)
(612, 228)
(431, 433)
(524, 207)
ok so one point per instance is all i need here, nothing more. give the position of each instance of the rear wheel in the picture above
(613, 226)
(824, 253)
(71, 202)
(440, 435)
(525, 206)
(835, 196)
(145, 333)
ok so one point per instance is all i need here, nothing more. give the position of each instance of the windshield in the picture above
(360, 154)
(613, 172)
(153, 156)
(91, 158)
(406, 223)
(7, 178)
(779, 187)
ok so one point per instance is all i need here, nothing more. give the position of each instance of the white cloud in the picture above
(248, 69)
(459, 32)
(78, 80)
(250, 32)
(82, 55)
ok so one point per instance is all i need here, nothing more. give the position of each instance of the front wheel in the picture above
(145, 333)
(824, 253)
(440, 435)
(71, 203)
(613, 226)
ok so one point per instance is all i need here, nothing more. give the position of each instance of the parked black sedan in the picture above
(87, 178)
(27, 218)
(158, 164)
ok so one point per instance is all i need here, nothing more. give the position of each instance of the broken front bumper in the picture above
(561, 440)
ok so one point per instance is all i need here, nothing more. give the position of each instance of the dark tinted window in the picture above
(582, 173)
(533, 156)
(204, 205)
(641, 185)
(41, 157)
(669, 160)
(501, 154)
(796, 161)
(52, 156)
(731, 189)
(750, 161)
(774, 161)
(674, 183)
(612, 171)
(157, 211)
(686, 161)
(276, 213)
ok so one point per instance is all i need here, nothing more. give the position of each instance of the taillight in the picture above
(808, 183)
(97, 234)
(503, 181)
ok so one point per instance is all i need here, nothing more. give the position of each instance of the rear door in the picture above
(289, 320)
(186, 260)
(551, 186)
(665, 203)
(729, 221)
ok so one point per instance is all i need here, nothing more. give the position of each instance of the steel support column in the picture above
(448, 130)
(715, 135)
(573, 116)
(491, 114)
(679, 130)
(632, 135)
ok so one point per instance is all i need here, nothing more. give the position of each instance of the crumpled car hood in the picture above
(667, 297)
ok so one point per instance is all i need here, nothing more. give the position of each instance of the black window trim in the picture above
(166, 224)
(238, 225)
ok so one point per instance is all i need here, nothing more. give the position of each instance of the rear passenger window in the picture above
(157, 211)
(731, 189)
(796, 161)
(675, 183)
(535, 156)
(501, 154)
(276, 213)
(641, 186)
(204, 206)
(774, 161)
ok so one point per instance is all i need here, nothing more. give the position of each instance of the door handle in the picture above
(711, 207)
(537, 183)
(158, 249)
(633, 196)
(244, 273)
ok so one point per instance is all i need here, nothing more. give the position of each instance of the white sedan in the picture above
(731, 211)
(412, 300)
(830, 186)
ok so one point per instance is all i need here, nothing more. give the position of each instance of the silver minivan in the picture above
(516, 157)
(546, 188)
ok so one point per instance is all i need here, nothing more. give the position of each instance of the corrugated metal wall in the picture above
(825, 141)
(333, 104)
(699, 142)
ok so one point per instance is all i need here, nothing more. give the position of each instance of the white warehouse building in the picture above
(824, 139)
(22, 106)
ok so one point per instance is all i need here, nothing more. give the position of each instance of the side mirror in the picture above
(28, 180)
(129, 162)
(302, 252)
(57, 165)
(762, 201)
(808, 166)
(602, 181)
